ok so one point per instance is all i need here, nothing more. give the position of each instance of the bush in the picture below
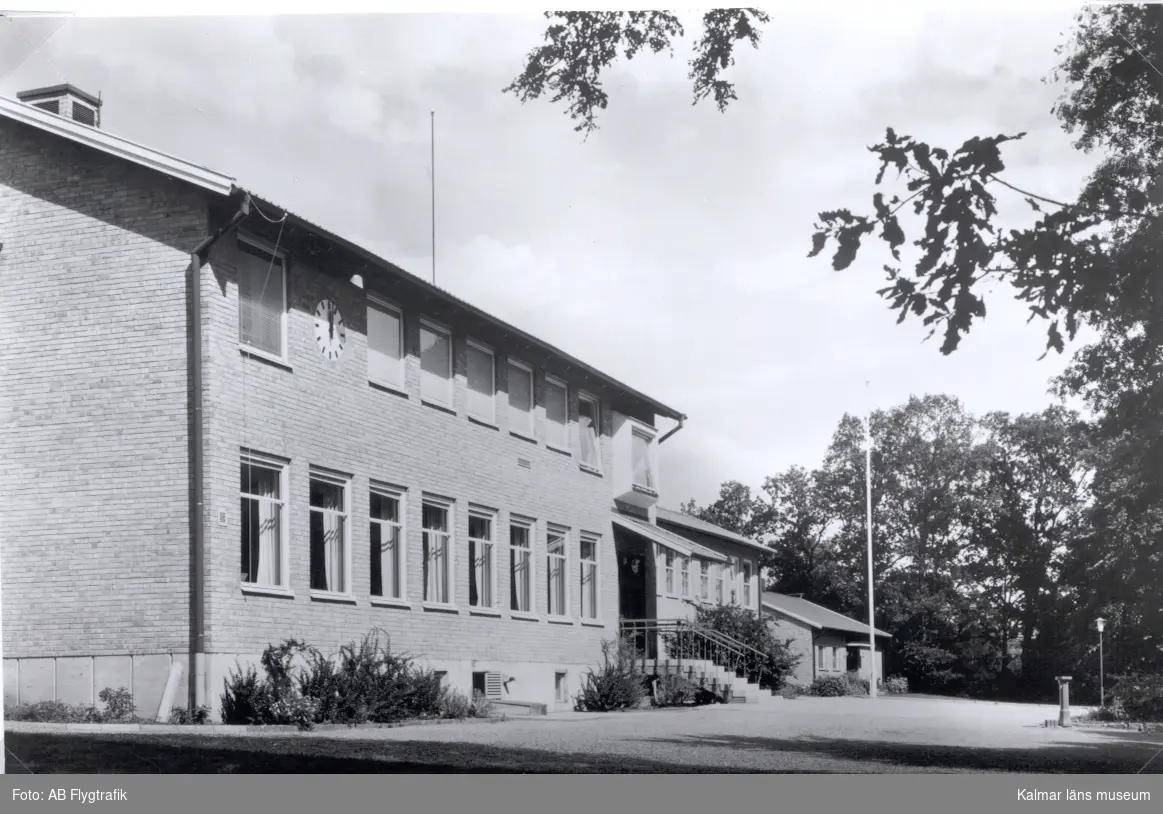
(1140, 696)
(119, 705)
(832, 686)
(363, 682)
(896, 685)
(857, 685)
(184, 716)
(768, 658)
(674, 691)
(614, 686)
(791, 691)
(481, 707)
(53, 712)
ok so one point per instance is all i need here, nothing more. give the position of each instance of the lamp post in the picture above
(868, 522)
(1100, 623)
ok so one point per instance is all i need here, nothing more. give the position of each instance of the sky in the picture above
(669, 249)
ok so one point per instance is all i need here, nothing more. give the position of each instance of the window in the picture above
(589, 576)
(747, 583)
(481, 559)
(835, 658)
(437, 553)
(589, 432)
(560, 687)
(556, 567)
(704, 579)
(482, 400)
(387, 543)
(84, 115)
(262, 300)
(385, 344)
(719, 583)
(435, 364)
(329, 561)
(733, 580)
(520, 398)
(640, 458)
(820, 657)
(669, 571)
(520, 566)
(264, 537)
(556, 414)
(686, 576)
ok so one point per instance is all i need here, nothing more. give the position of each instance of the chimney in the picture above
(67, 101)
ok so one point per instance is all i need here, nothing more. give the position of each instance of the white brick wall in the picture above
(93, 382)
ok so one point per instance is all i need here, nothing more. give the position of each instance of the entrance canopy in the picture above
(666, 539)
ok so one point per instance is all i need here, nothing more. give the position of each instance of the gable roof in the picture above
(685, 521)
(814, 615)
(226, 186)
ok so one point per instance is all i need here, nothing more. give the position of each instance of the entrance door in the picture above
(632, 586)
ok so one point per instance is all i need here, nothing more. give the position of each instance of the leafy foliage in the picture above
(1140, 697)
(772, 661)
(830, 686)
(579, 46)
(364, 682)
(675, 691)
(616, 685)
(896, 685)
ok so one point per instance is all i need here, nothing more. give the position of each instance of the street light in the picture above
(1100, 623)
(871, 614)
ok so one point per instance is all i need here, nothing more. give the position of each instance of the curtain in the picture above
(589, 439)
(333, 552)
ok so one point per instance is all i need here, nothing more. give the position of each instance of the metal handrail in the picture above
(683, 639)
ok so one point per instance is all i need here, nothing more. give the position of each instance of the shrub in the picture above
(119, 705)
(614, 686)
(768, 658)
(53, 712)
(674, 691)
(857, 685)
(246, 698)
(454, 704)
(896, 685)
(1140, 695)
(832, 686)
(184, 716)
(792, 691)
(362, 682)
(481, 707)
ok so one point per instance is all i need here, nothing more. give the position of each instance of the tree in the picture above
(579, 46)
(735, 510)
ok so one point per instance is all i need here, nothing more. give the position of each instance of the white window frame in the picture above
(283, 586)
(595, 402)
(835, 659)
(528, 431)
(593, 569)
(280, 258)
(651, 487)
(343, 483)
(449, 509)
(563, 561)
(748, 570)
(720, 578)
(530, 528)
(561, 686)
(491, 417)
(704, 580)
(490, 516)
(376, 303)
(560, 444)
(401, 497)
(685, 576)
(445, 399)
(820, 657)
(668, 579)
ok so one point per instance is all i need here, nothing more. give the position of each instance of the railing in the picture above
(679, 640)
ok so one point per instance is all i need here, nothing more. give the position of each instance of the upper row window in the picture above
(262, 291)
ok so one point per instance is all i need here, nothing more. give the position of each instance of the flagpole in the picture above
(868, 523)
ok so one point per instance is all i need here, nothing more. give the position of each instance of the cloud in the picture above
(668, 249)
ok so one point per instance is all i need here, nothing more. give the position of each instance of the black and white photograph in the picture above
(610, 392)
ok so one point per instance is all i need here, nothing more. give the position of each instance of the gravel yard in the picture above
(847, 735)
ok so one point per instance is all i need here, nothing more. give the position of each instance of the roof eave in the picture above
(374, 259)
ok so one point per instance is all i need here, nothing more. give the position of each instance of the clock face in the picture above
(330, 332)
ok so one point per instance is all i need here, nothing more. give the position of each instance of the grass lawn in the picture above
(195, 754)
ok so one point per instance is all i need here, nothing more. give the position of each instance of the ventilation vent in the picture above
(493, 685)
(84, 115)
(524, 463)
(52, 107)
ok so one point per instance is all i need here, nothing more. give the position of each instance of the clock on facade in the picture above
(330, 332)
